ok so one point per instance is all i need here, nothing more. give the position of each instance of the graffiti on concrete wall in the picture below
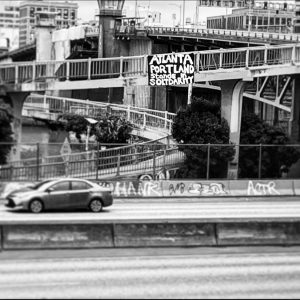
(262, 189)
(134, 188)
(200, 189)
(162, 174)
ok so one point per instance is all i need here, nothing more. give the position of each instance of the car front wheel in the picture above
(96, 205)
(36, 206)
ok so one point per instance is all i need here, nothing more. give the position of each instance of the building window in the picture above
(32, 10)
(73, 14)
(9, 8)
(59, 13)
(66, 14)
(23, 12)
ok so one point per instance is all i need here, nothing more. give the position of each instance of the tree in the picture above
(255, 131)
(201, 123)
(6, 133)
(113, 129)
(71, 122)
(108, 129)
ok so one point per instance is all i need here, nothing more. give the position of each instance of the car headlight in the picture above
(18, 199)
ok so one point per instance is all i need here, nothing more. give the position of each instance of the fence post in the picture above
(16, 74)
(144, 121)
(33, 71)
(118, 164)
(154, 163)
(221, 59)
(121, 66)
(45, 101)
(97, 161)
(247, 59)
(145, 71)
(208, 162)
(165, 156)
(166, 119)
(68, 70)
(266, 56)
(128, 112)
(89, 68)
(197, 62)
(260, 161)
(294, 55)
(37, 161)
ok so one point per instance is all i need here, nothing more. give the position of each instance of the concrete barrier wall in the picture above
(297, 187)
(203, 188)
(57, 236)
(259, 233)
(185, 188)
(164, 234)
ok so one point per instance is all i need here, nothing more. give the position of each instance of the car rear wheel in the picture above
(36, 206)
(96, 205)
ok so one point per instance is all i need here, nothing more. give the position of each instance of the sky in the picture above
(87, 9)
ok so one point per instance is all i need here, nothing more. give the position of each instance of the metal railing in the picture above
(256, 162)
(149, 157)
(142, 117)
(223, 32)
(104, 68)
(79, 69)
(92, 31)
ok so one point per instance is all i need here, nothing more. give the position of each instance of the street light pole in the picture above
(183, 14)
(178, 5)
(250, 17)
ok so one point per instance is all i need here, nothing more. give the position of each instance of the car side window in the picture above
(61, 186)
(79, 185)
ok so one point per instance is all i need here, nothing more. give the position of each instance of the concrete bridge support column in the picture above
(231, 110)
(295, 119)
(17, 100)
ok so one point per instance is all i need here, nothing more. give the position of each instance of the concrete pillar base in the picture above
(231, 110)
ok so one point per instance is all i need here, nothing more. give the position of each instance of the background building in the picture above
(225, 3)
(9, 23)
(264, 15)
(66, 16)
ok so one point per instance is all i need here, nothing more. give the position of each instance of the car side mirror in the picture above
(50, 190)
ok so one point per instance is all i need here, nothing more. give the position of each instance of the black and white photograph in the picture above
(149, 149)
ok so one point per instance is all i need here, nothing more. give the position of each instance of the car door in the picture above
(58, 195)
(79, 194)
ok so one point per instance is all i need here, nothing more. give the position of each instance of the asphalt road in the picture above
(184, 209)
(264, 272)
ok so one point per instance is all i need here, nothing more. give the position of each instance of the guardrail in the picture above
(119, 67)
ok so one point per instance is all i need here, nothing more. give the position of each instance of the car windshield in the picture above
(40, 184)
